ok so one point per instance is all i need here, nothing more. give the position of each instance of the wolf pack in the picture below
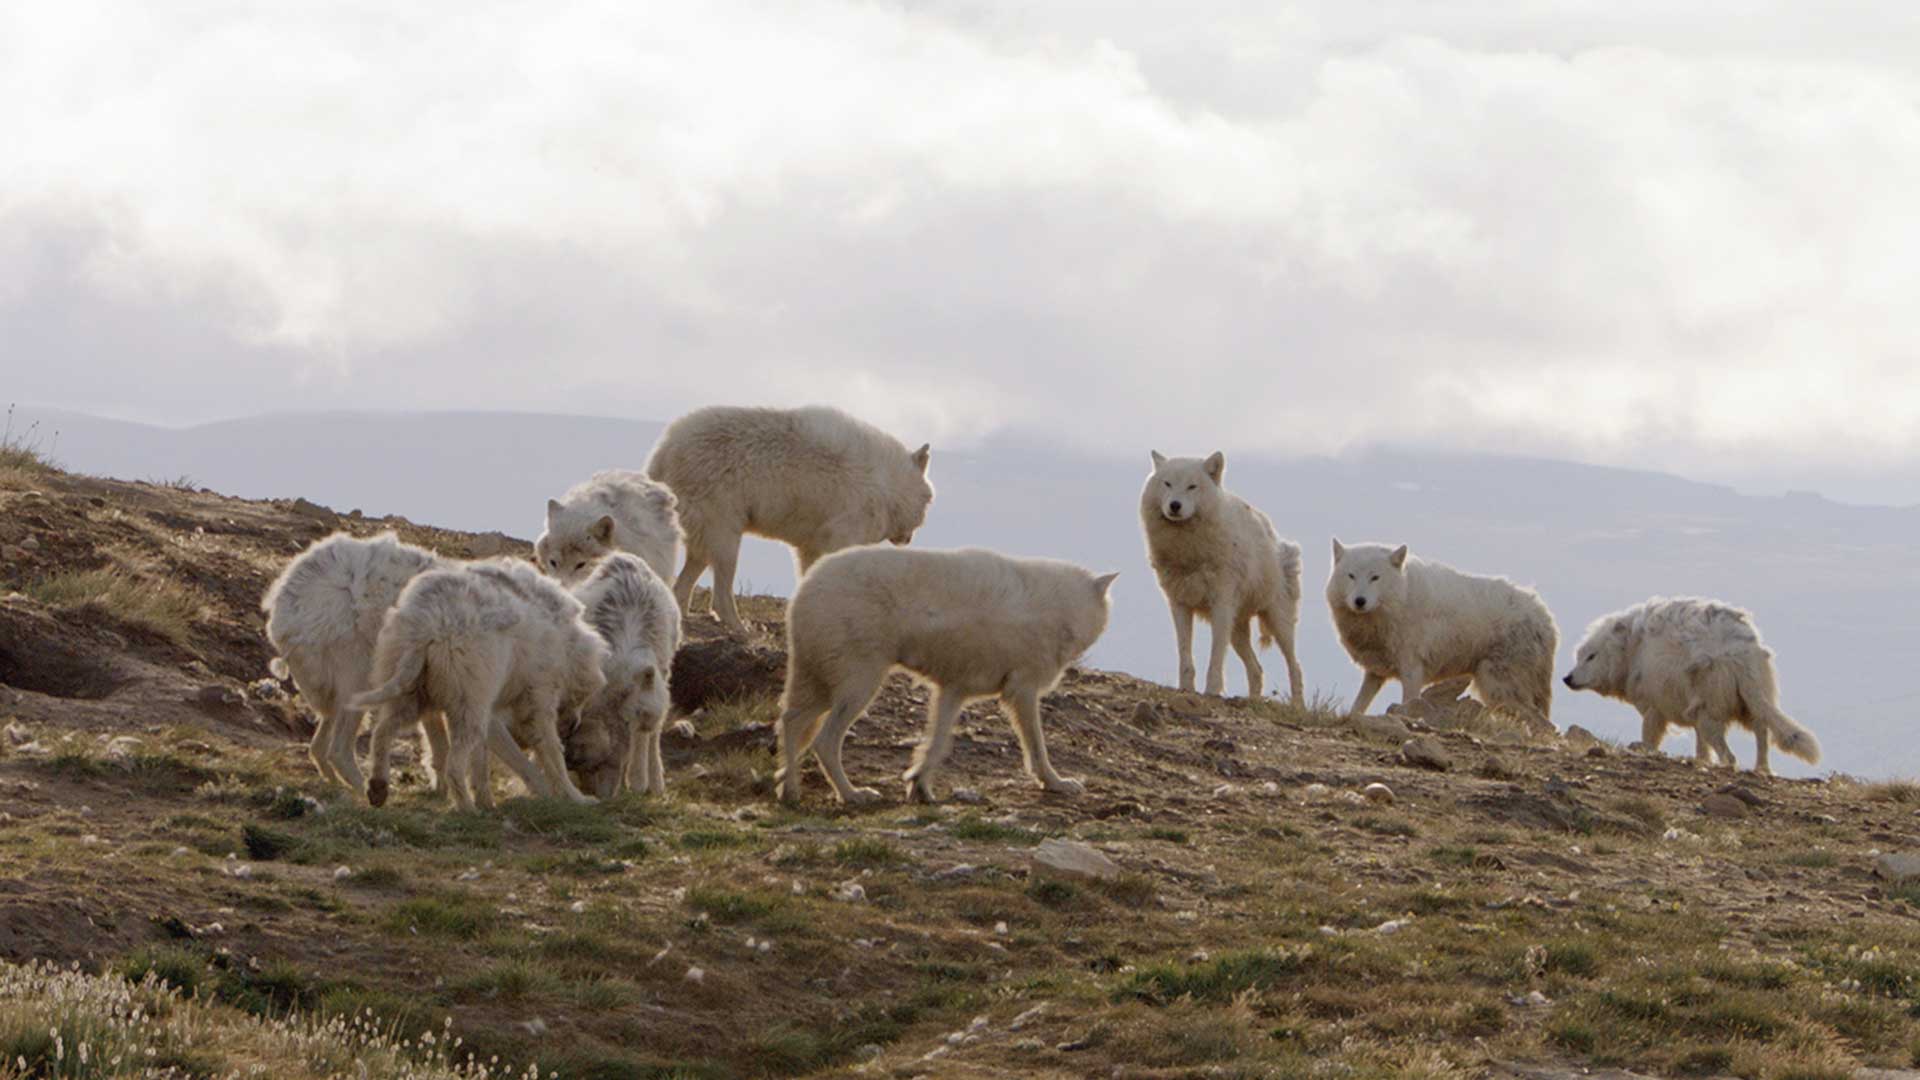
(560, 668)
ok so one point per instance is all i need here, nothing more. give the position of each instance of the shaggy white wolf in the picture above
(1218, 557)
(613, 510)
(496, 654)
(1692, 663)
(813, 477)
(634, 612)
(972, 623)
(1402, 617)
(324, 613)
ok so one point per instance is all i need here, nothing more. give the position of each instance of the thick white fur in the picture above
(1402, 617)
(498, 652)
(1219, 558)
(813, 477)
(634, 612)
(1690, 662)
(613, 510)
(972, 623)
(324, 613)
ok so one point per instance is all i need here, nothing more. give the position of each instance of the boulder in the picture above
(1071, 858)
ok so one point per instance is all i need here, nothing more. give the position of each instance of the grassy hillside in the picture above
(1528, 908)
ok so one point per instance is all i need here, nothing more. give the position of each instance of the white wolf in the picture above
(324, 613)
(972, 623)
(813, 477)
(1402, 617)
(485, 648)
(1219, 558)
(1692, 663)
(635, 614)
(613, 510)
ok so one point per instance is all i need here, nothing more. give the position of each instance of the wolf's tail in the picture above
(1788, 735)
(1290, 574)
(406, 676)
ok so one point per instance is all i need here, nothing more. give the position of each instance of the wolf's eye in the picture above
(1190, 487)
(1350, 577)
(1375, 577)
(580, 565)
(555, 563)
(1166, 483)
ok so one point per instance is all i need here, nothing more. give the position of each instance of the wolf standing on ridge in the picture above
(1691, 663)
(813, 477)
(1421, 622)
(612, 510)
(1219, 558)
(972, 623)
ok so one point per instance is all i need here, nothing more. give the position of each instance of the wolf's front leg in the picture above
(1033, 744)
(1183, 641)
(1220, 623)
(1413, 679)
(1370, 685)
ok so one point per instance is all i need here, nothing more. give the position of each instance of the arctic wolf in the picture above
(634, 612)
(1402, 617)
(1219, 558)
(323, 616)
(972, 623)
(813, 477)
(613, 510)
(486, 654)
(1691, 663)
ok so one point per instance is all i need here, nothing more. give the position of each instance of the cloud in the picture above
(1630, 234)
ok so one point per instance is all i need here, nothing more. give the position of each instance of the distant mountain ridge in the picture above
(1832, 585)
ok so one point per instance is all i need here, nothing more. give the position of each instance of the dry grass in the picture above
(22, 451)
(164, 607)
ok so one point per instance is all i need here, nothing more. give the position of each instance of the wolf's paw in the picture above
(919, 790)
(1064, 785)
(377, 791)
(863, 796)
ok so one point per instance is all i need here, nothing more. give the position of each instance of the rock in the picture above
(1897, 866)
(217, 697)
(1315, 792)
(1745, 795)
(487, 545)
(1027, 1017)
(1580, 738)
(966, 795)
(1425, 751)
(342, 873)
(696, 975)
(17, 733)
(1379, 793)
(1596, 751)
(1723, 806)
(1379, 727)
(1074, 859)
(312, 511)
(851, 892)
(1392, 926)
(710, 672)
(956, 872)
(535, 1027)
(1145, 716)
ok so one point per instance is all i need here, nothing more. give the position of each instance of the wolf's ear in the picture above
(1216, 465)
(1399, 557)
(922, 456)
(1159, 458)
(553, 509)
(1339, 550)
(1102, 583)
(660, 497)
(602, 530)
(1620, 629)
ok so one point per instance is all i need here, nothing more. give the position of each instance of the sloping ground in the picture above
(1526, 908)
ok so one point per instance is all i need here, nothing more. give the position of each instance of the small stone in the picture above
(1000, 929)
(181, 851)
(342, 873)
(1392, 926)
(966, 795)
(684, 729)
(696, 975)
(1145, 716)
(1385, 728)
(1223, 791)
(1580, 738)
(1597, 751)
(1270, 789)
(1379, 793)
(1027, 1017)
(1724, 807)
(578, 907)
(1897, 866)
(955, 872)
(868, 1051)
(243, 871)
(1425, 751)
(17, 733)
(851, 892)
(535, 1027)
(1315, 792)
(1353, 798)
(1074, 859)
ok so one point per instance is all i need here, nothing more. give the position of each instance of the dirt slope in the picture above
(1526, 907)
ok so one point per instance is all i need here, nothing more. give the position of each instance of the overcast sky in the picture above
(1610, 231)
